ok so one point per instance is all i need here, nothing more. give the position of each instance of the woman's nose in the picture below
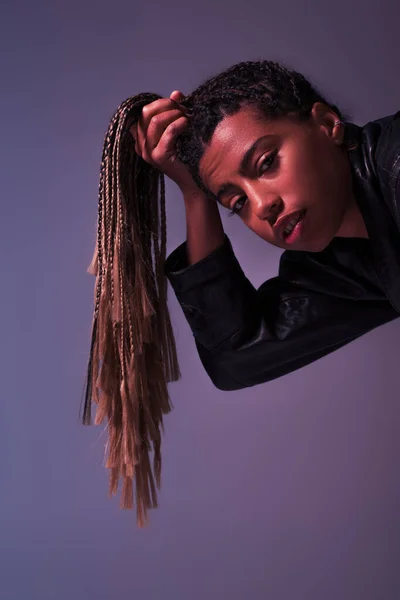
(266, 205)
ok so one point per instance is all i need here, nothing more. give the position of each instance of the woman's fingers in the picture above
(177, 96)
(155, 136)
(157, 127)
(139, 130)
(148, 112)
(166, 145)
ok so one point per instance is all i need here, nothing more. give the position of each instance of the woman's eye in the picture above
(267, 162)
(236, 209)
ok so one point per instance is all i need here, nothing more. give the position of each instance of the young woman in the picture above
(266, 145)
(261, 141)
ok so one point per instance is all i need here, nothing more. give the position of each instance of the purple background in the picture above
(289, 490)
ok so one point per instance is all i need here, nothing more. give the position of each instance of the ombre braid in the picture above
(132, 353)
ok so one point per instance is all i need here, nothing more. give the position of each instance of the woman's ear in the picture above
(327, 121)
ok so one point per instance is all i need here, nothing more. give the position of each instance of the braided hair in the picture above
(133, 354)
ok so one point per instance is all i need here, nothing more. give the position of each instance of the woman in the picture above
(264, 143)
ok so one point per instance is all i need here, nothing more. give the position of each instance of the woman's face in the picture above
(266, 170)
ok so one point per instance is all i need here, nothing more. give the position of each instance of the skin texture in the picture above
(302, 166)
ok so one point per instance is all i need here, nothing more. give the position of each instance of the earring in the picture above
(338, 122)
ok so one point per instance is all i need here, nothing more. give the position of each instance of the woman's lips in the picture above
(296, 232)
(284, 221)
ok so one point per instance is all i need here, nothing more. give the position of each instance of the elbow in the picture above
(220, 370)
(225, 384)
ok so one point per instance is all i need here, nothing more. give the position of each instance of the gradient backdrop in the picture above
(287, 491)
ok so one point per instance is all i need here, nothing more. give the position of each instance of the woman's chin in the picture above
(318, 244)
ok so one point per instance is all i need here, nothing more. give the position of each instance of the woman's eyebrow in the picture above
(244, 165)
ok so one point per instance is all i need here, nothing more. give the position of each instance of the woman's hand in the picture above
(155, 135)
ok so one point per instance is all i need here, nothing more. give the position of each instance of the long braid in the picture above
(128, 315)
(132, 353)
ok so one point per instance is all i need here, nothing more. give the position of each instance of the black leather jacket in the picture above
(319, 301)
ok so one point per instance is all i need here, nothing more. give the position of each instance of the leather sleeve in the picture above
(246, 336)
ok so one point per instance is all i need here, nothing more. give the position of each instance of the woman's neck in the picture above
(353, 224)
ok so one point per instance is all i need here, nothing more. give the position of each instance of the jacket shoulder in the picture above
(387, 157)
(387, 151)
(377, 157)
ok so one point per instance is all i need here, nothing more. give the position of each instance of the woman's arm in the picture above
(245, 336)
(204, 230)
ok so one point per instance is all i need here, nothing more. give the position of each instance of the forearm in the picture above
(204, 230)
